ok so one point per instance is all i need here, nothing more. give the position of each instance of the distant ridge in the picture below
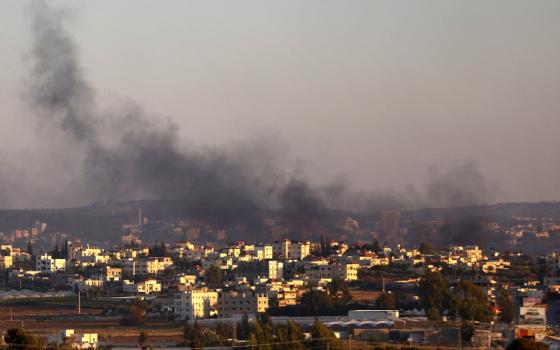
(102, 221)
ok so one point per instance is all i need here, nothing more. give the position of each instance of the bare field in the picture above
(43, 320)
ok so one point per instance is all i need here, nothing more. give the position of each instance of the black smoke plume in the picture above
(125, 153)
(129, 154)
(459, 185)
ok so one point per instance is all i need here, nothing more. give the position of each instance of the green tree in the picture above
(526, 344)
(55, 253)
(18, 339)
(29, 247)
(322, 337)
(295, 336)
(338, 288)
(197, 337)
(506, 305)
(319, 303)
(187, 332)
(243, 328)
(288, 337)
(281, 341)
(433, 314)
(261, 336)
(467, 332)
(213, 276)
(473, 304)
(434, 294)
(386, 301)
(265, 320)
(224, 331)
(142, 337)
(135, 316)
(64, 250)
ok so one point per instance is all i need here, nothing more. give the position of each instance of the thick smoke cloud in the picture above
(461, 184)
(125, 153)
(129, 154)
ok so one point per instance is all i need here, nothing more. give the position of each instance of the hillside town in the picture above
(365, 293)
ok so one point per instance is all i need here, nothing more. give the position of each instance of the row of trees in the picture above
(466, 300)
(263, 335)
(260, 334)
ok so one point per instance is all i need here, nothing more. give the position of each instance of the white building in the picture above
(46, 263)
(236, 304)
(291, 250)
(148, 286)
(299, 250)
(6, 261)
(76, 341)
(146, 266)
(194, 304)
(323, 271)
(263, 252)
(280, 249)
(87, 284)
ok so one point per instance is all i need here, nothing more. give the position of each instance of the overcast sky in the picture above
(376, 91)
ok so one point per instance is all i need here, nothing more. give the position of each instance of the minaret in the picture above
(140, 219)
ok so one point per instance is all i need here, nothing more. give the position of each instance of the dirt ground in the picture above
(44, 320)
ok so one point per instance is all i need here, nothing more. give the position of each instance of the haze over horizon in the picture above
(396, 102)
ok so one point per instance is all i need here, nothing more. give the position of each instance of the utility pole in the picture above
(79, 303)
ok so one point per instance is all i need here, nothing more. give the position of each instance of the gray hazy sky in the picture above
(377, 91)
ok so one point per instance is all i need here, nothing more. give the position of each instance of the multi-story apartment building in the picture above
(46, 263)
(346, 272)
(91, 260)
(236, 304)
(263, 252)
(193, 304)
(146, 266)
(291, 250)
(113, 274)
(285, 293)
(299, 250)
(269, 269)
(473, 254)
(325, 271)
(281, 248)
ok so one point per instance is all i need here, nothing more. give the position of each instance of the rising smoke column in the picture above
(58, 90)
(129, 154)
(459, 185)
(144, 158)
